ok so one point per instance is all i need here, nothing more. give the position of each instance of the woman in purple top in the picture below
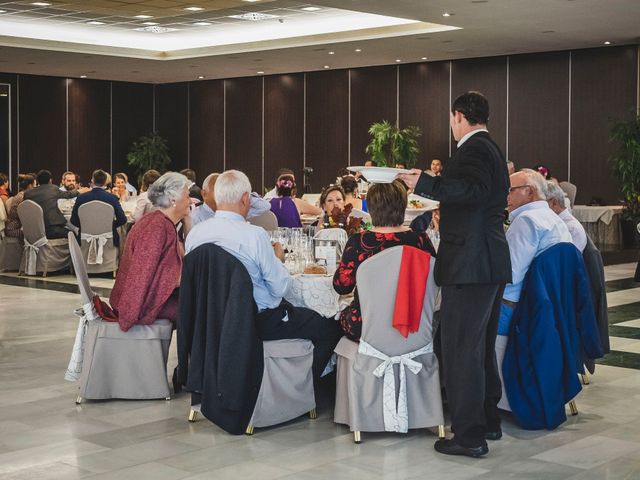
(283, 206)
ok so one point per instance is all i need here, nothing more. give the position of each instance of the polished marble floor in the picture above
(44, 435)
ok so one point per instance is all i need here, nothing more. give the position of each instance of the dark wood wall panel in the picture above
(132, 111)
(206, 131)
(603, 90)
(373, 99)
(89, 126)
(424, 102)
(283, 126)
(327, 120)
(489, 77)
(172, 121)
(12, 80)
(538, 111)
(43, 124)
(244, 127)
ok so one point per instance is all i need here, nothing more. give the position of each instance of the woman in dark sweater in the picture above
(386, 203)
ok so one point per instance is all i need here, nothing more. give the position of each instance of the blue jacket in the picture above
(553, 322)
(103, 196)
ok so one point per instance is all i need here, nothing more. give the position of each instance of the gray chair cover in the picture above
(50, 255)
(266, 220)
(359, 393)
(117, 364)
(501, 347)
(96, 222)
(570, 189)
(286, 391)
(10, 254)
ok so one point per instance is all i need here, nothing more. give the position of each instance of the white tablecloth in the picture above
(602, 224)
(589, 214)
(316, 293)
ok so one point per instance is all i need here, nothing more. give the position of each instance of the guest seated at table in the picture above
(274, 191)
(435, 169)
(276, 319)
(13, 227)
(350, 186)
(4, 188)
(69, 181)
(555, 198)
(194, 191)
(149, 274)
(120, 186)
(534, 228)
(287, 208)
(98, 192)
(143, 205)
(387, 203)
(207, 208)
(47, 195)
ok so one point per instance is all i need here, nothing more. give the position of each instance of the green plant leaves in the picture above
(390, 145)
(149, 152)
(626, 165)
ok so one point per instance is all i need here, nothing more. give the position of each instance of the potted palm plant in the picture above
(391, 145)
(149, 152)
(626, 168)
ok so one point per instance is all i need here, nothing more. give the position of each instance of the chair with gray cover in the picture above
(266, 220)
(408, 364)
(110, 363)
(40, 253)
(10, 247)
(570, 189)
(96, 238)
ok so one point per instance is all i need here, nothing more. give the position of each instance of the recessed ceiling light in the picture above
(398, 60)
(3, 11)
(259, 72)
(332, 53)
(194, 9)
(95, 22)
(83, 76)
(40, 4)
(327, 66)
(310, 9)
(150, 23)
(423, 58)
(251, 1)
(254, 16)
(358, 50)
(202, 24)
(607, 43)
(144, 16)
(200, 77)
(447, 14)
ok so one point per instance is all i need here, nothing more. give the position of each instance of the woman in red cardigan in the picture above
(149, 274)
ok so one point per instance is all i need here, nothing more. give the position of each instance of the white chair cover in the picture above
(266, 220)
(96, 246)
(96, 239)
(31, 254)
(571, 190)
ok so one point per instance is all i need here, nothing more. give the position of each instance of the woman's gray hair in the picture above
(537, 181)
(231, 186)
(167, 189)
(554, 192)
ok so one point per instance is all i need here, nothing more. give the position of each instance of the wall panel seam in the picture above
(304, 123)
(188, 124)
(450, 101)
(18, 123)
(569, 123)
(507, 113)
(67, 114)
(262, 159)
(224, 125)
(111, 126)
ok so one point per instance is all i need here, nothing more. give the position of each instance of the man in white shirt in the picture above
(277, 319)
(556, 200)
(534, 228)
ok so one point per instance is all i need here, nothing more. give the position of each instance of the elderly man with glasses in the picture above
(534, 228)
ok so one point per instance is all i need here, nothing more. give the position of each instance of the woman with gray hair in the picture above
(149, 274)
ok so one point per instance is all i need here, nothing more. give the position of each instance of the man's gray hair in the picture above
(231, 186)
(167, 189)
(207, 181)
(554, 192)
(536, 181)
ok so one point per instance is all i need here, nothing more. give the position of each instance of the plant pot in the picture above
(630, 234)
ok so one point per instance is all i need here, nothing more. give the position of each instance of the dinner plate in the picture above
(378, 174)
(427, 202)
(315, 275)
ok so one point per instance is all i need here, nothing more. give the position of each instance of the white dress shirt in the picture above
(534, 228)
(576, 229)
(203, 212)
(473, 132)
(249, 244)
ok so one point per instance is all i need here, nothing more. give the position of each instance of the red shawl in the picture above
(412, 284)
(149, 271)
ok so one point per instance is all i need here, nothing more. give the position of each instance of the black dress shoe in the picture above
(495, 435)
(450, 447)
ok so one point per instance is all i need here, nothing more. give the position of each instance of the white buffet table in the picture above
(602, 224)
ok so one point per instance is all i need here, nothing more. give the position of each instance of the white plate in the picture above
(315, 275)
(379, 174)
(428, 204)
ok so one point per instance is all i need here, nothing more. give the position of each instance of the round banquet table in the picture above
(316, 292)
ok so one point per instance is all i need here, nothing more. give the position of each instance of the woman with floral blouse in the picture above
(386, 203)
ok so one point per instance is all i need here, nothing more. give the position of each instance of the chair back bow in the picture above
(96, 246)
(31, 254)
(87, 313)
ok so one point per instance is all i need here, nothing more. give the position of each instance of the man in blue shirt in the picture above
(277, 319)
(534, 228)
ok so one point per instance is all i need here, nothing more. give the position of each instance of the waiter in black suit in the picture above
(473, 267)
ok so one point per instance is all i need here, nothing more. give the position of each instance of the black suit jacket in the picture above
(472, 192)
(47, 197)
(219, 353)
(101, 195)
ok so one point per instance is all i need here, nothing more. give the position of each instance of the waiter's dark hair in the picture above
(474, 106)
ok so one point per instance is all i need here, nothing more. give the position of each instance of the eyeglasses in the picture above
(517, 187)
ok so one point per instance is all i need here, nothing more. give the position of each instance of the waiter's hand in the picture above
(410, 179)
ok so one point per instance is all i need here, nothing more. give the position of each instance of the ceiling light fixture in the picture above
(332, 53)
(607, 43)
(144, 16)
(253, 16)
(200, 77)
(447, 14)
(83, 76)
(41, 4)
(202, 24)
(95, 22)
(310, 9)
(358, 50)
(259, 72)
(398, 60)
(150, 23)
(251, 1)
(423, 58)
(327, 66)
(3, 11)
(194, 9)
(155, 29)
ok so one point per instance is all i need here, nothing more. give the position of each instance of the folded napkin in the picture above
(412, 283)
(104, 310)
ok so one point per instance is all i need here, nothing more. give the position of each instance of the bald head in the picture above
(526, 186)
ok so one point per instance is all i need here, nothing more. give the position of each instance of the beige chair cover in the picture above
(266, 220)
(570, 189)
(501, 347)
(96, 225)
(286, 391)
(40, 254)
(113, 363)
(360, 398)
